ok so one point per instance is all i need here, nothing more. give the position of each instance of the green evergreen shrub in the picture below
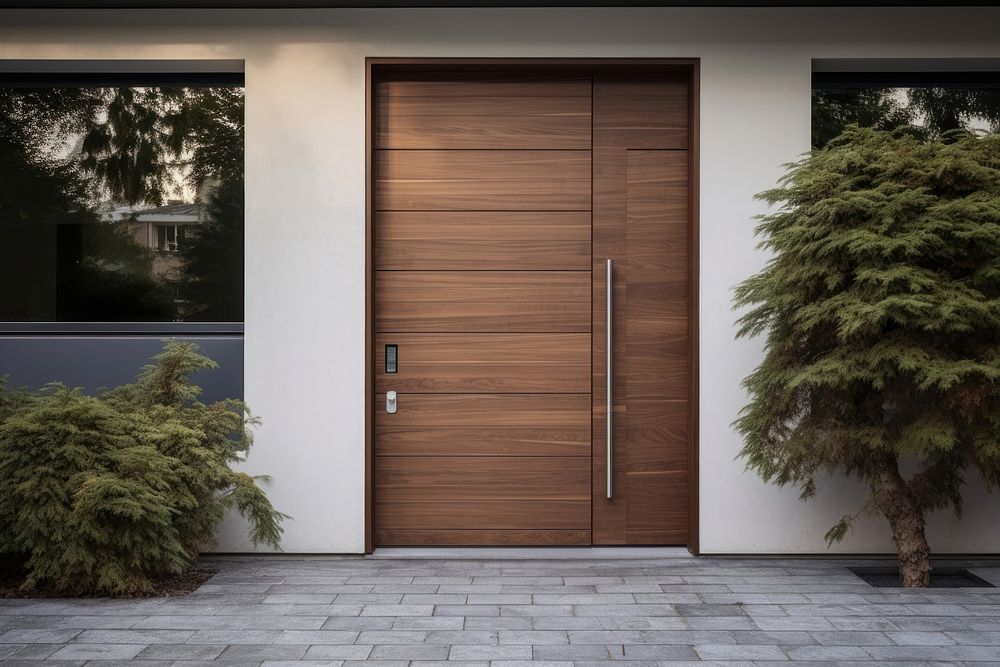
(881, 306)
(108, 493)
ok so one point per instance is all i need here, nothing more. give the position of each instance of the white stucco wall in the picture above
(306, 229)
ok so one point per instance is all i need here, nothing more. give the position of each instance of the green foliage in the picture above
(107, 493)
(210, 254)
(881, 306)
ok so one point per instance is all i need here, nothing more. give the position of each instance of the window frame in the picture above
(144, 73)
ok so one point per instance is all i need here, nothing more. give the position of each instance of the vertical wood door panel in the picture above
(641, 223)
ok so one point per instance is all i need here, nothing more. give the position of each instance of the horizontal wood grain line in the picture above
(486, 363)
(484, 301)
(479, 537)
(485, 133)
(482, 514)
(460, 477)
(494, 180)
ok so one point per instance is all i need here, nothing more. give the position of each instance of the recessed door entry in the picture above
(531, 233)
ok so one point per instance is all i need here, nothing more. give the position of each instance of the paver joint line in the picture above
(502, 613)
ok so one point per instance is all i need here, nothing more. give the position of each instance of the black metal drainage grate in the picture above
(941, 577)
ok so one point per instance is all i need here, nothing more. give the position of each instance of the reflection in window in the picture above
(929, 105)
(120, 203)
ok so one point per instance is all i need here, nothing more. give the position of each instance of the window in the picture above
(930, 104)
(169, 237)
(121, 198)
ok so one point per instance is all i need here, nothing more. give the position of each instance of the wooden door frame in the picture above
(374, 66)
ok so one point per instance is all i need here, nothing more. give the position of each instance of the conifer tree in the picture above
(109, 493)
(881, 307)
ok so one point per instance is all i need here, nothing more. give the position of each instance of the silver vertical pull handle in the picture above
(390, 402)
(607, 420)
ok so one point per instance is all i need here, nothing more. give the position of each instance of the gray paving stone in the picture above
(739, 652)
(191, 623)
(496, 623)
(181, 652)
(578, 652)
(37, 636)
(409, 652)
(234, 637)
(466, 610)
(309, 637)
(98, 652)
(533, 637)
(709, 610)
(36, 651)
(625, 610)
(428, 623)
(299, 598)
(351, 622)
(488, 652)
(339, 652)
(264, 652)
(827, 653)
(133, 636)
(851, 638)
(479, 613)
(671, 652)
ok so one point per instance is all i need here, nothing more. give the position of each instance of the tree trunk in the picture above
(906, 518)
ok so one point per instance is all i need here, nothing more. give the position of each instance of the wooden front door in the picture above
(497, 196)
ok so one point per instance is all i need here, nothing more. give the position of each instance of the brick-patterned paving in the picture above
(501, 612)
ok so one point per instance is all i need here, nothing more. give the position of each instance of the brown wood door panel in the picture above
(641, 221)
(482, 180)
(451, 87)
(482, 131)
(658, 507)
(469, 537)
(483, 514)
(657, 433)
(485, 425)
(482, 240)
(471, 478)
(485, 363)
(483, 301)
(489, 280)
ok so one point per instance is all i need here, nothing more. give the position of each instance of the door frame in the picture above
(378, 66)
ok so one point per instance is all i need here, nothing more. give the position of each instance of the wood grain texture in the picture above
(477, 537)
(471, 478)
(485, 425)
(506, 180)
(641, 192)
(483, 301)
(491, 240)
(657, 507)
(482, 514)
(485, 363)
(485, 126)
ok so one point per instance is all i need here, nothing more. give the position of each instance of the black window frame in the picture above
(138, 78)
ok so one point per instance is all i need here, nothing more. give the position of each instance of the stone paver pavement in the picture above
(500, 612)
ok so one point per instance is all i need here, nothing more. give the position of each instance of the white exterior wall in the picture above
(305, 217)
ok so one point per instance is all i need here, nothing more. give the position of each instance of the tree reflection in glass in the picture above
(121, 204)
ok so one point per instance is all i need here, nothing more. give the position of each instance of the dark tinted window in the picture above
(121, 203)
(930, 105)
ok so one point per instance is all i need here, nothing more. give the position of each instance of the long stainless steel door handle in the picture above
(607, 420)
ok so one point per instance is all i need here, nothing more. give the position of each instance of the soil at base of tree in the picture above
(175, 586)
